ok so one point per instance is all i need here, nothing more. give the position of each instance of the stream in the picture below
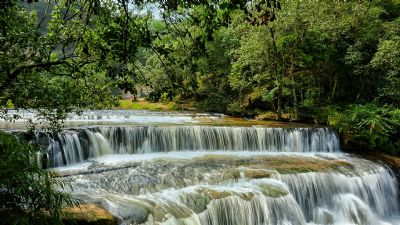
(209, 169)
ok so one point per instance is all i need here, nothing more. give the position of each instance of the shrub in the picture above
(366, 126)
(214, 102)
(28, 193)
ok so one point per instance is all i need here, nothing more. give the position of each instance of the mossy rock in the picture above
(262, 166)
(256, 173)
(160, 211)
(213, 194)
(272, 191)
(231, 174)
(198, 201)
(88, 214)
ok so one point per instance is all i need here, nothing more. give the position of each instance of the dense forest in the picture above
(329, 62)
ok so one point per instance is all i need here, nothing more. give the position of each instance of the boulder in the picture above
(89, 214)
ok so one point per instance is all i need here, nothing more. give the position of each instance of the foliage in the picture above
(75, 63)
(368, 126)
(29, 194)
(304, 60)
(214, 102)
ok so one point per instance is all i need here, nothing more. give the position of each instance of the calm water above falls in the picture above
(115, 117)
(227, 175)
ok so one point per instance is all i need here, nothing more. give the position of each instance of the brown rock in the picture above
(257, 174)
(89, 214)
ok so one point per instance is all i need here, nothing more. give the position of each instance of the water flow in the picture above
(171, 192)
(115, 117)
(223, 176)
(353, 198)
(76, 146)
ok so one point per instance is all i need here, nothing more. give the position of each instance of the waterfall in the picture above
(74, 146)
(329, 192)
(362, 196)
(221, 175)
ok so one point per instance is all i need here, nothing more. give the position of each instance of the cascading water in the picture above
(75, 146)
(223, 175)
(211, 190)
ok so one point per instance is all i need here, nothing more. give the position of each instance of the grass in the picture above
(141, 104)
(9, 105)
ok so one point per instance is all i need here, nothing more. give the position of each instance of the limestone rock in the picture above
(89, 214)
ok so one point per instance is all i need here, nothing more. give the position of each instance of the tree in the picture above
(387, 61)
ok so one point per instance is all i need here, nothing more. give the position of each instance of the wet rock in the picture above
(89, 214)
(199, 199)
(161, 212)
(84, 141)
(256, 174)
(272, 191)
(231, 174)
(324, 217)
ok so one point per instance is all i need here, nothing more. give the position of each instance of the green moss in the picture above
(196, 201)
(232, 174)
(256, 173)
(272, 191)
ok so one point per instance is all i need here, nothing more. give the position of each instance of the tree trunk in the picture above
(279, 104)
(295, 102)
(334, 88)
(278, 78)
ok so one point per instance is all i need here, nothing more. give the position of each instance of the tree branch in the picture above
(14, 74)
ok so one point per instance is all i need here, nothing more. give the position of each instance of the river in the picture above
(209, 169)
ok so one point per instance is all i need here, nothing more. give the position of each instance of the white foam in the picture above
(124, 158)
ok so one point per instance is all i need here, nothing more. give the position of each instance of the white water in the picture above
(175, 191)
(199, 175)
(113, 117)
(72, 147)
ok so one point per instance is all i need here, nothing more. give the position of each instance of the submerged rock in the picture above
(89, 214)
(272, 191)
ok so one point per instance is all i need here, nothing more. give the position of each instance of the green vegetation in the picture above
(330, 62)
(368, 126)
(326, 62)
(321, 62)
(29, 194)
(144, 105)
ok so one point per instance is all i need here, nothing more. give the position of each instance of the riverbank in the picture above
(141, 104)
(360, 127)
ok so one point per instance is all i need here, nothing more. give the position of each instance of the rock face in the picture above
(89, 214)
